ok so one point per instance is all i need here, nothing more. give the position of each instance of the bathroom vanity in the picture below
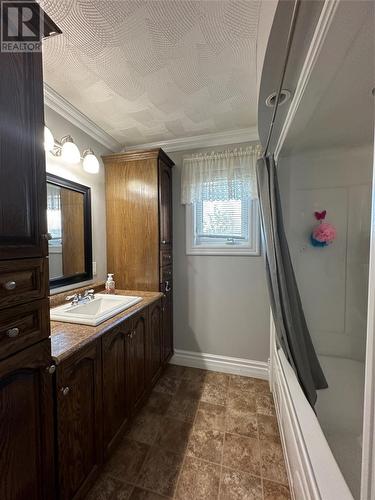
(66, 399)
(103, 376)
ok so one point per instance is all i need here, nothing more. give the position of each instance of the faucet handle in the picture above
(74, 298)
(71, 297)
(89, 292)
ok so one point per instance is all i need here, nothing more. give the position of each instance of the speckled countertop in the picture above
(67, 338)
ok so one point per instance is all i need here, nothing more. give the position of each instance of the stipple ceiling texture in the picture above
(155, 70)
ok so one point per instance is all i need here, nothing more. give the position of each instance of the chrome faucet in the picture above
(77, 298)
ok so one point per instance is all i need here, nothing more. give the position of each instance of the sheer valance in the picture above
(229, 174)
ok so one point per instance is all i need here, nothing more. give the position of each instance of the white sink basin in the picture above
(101, 308)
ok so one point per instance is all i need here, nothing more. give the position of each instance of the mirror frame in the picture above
(87, 232)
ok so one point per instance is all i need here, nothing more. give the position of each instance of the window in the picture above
(219, 190)
(223, 227)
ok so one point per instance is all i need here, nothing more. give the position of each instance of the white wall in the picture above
(221, 303)
(332, 280)
(59, 126)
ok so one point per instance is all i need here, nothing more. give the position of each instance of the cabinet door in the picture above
(26, 425)
(165, 204)
(138, 353)
(79, 421)
(115, 347)
(154, 341)
(167, 324)
(22, 164)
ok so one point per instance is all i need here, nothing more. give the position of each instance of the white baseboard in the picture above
(225, 364)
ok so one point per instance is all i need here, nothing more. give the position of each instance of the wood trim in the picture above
(139, 154)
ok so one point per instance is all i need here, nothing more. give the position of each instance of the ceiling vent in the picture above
(271, 99)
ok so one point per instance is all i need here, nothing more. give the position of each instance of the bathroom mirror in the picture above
(69, 228)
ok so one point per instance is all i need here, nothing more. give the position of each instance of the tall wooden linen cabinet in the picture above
(139, 227)
(26, 366)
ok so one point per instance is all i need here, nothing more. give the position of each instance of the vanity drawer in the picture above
(166, 274)
(165, 258)
(23, 326)
(22, 281)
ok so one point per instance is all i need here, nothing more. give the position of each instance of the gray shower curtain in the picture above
(291, 328)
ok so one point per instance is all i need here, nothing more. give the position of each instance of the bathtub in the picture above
(312, 469)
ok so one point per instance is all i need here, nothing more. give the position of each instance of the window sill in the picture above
(244, 252)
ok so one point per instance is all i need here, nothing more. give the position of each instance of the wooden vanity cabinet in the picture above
(79, 421)
(23, 221)
(99, 390)
(26, 425)
(139, 226)
(137, 360)
(155, 341)
(167, 330)
(116, 378)
(165, 203)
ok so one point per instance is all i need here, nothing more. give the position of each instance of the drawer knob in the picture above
(13, 332)
(65, 391)
(47, 236)
(164, 242)
(51, 369)
(10, 285)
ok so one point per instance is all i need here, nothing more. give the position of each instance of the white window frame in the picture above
(253, 248)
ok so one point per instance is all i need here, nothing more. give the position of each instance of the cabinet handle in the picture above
(51, 369)
(47, 236)
(13, 332)
(10, 285)
(65, 391)
(167, 287)
(164, 242)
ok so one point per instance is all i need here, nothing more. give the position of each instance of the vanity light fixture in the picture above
(49, 141)
(69, 151)
(90, 162)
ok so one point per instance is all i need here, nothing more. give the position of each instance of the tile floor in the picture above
(202, 435)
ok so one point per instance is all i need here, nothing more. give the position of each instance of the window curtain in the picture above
(291, 328)
(220, 176)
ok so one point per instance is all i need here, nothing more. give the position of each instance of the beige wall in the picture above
(221, 304)
(59, 126)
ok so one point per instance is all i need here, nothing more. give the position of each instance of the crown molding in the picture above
(56, 102)
(202, 141)
(324, 23)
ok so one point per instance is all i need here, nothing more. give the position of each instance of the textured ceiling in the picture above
(155, 70)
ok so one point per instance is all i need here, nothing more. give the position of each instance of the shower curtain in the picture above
(290, 323)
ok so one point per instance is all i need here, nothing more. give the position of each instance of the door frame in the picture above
(368, 444)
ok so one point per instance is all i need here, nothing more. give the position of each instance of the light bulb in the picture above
(49, 141)
(69, 151)
(90, 162)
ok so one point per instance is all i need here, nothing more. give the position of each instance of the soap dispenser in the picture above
(110, 284)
